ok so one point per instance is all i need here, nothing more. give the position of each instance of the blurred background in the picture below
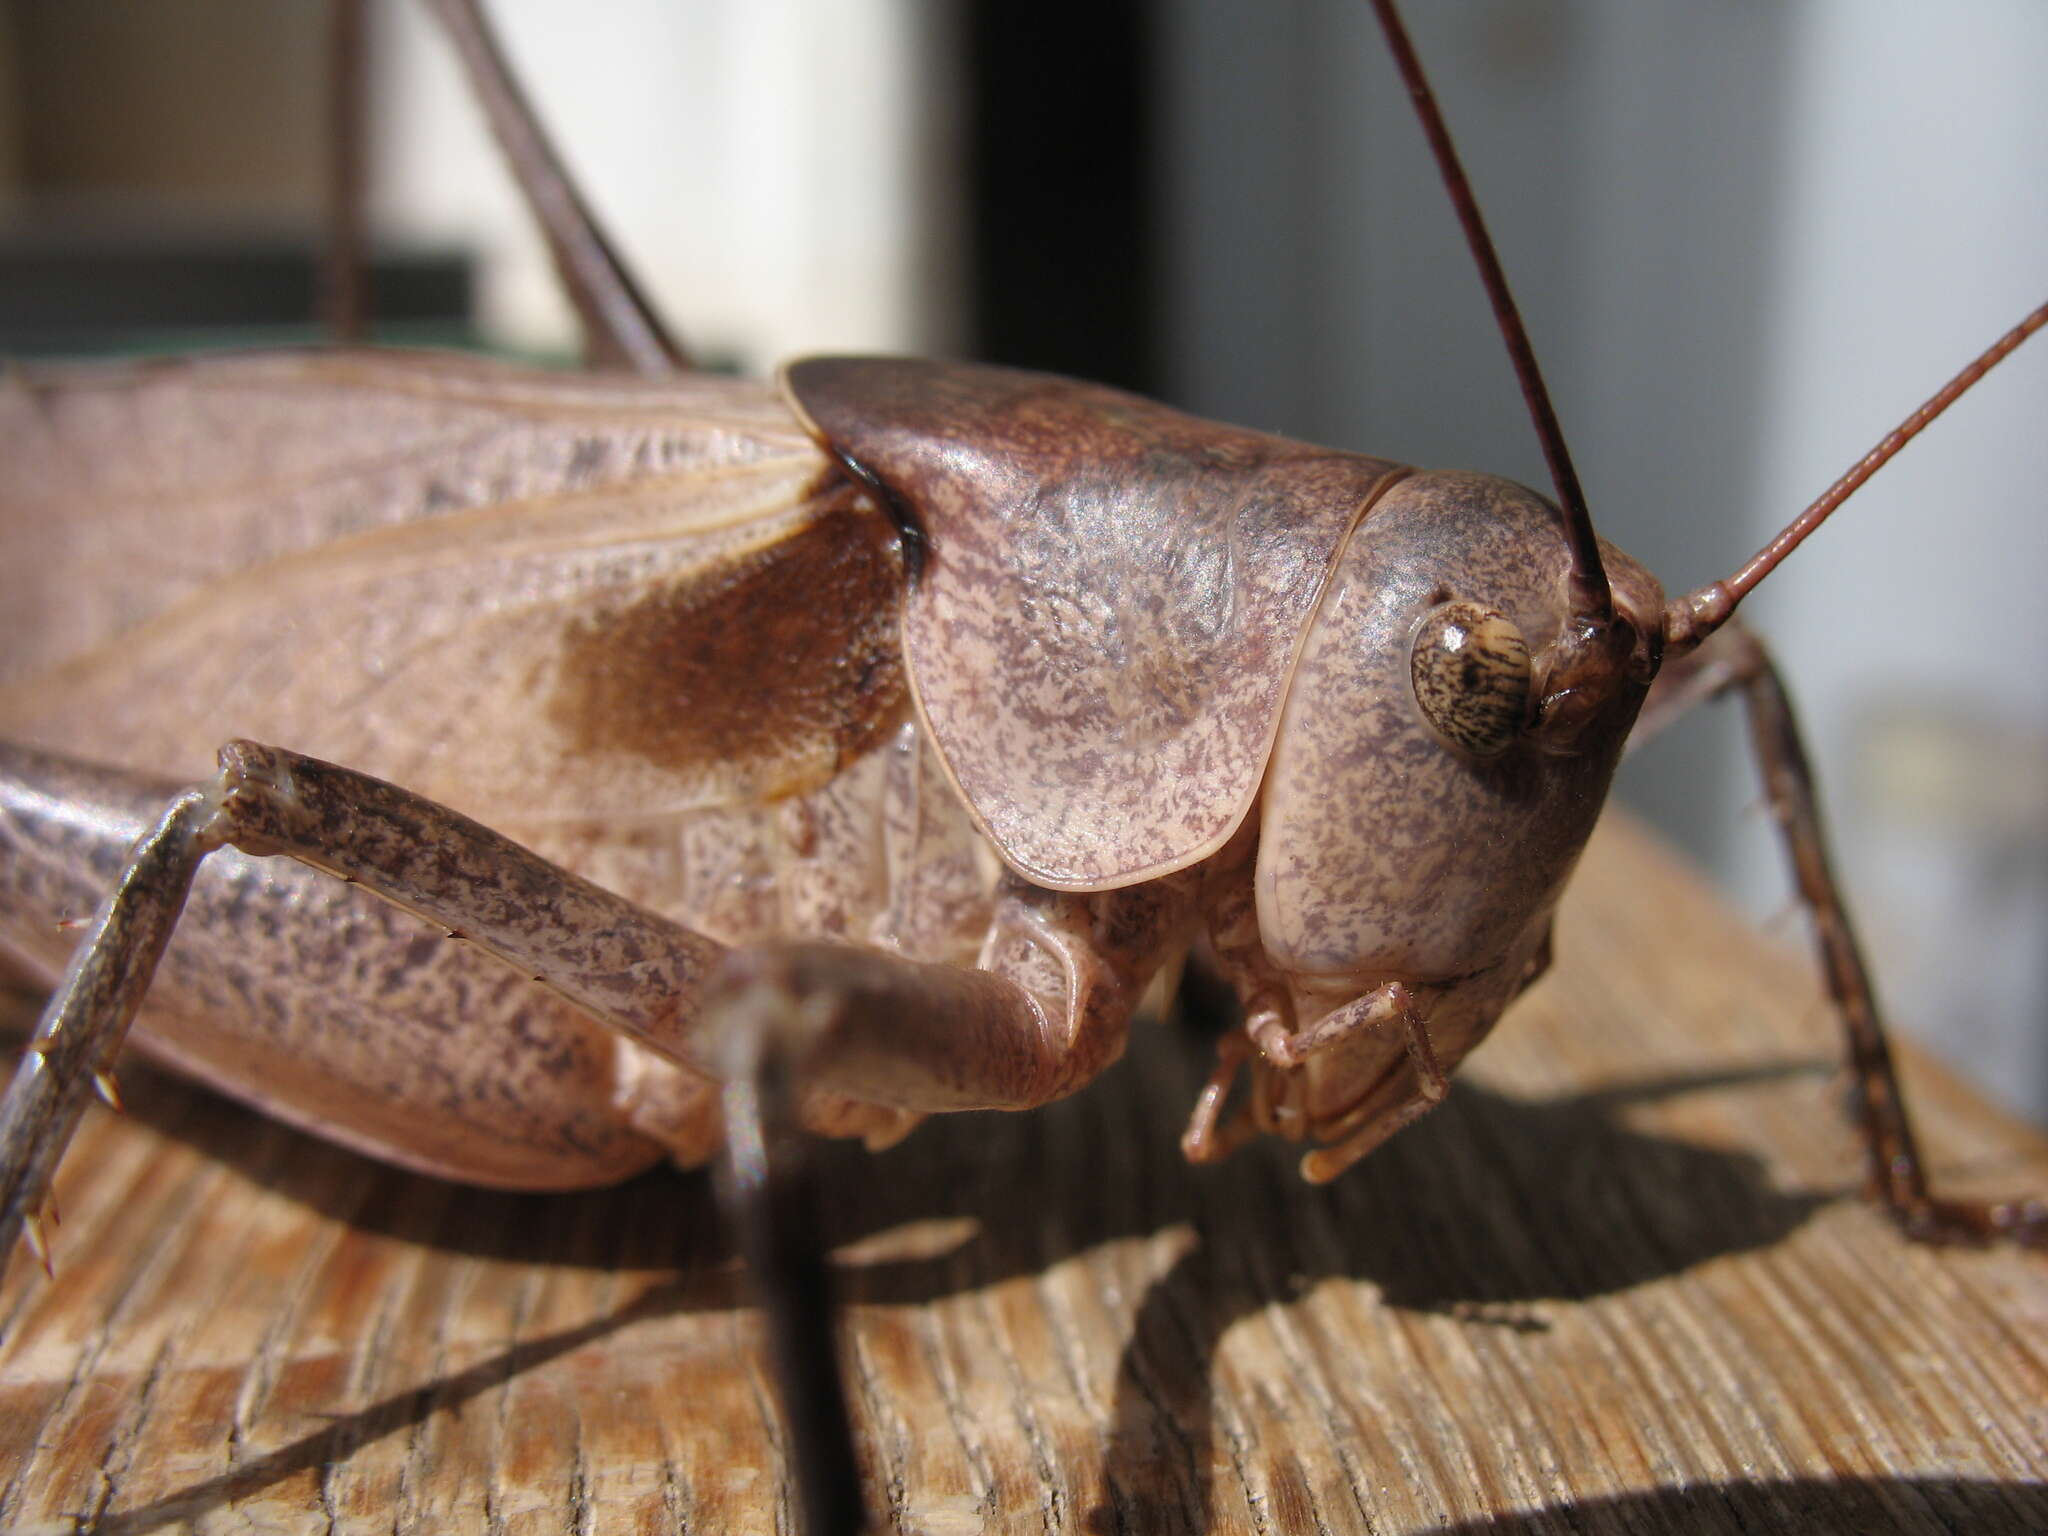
(1747, 238)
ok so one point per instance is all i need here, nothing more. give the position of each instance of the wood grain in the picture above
(1618, 1283)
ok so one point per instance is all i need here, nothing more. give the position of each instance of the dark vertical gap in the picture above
(1059, 116)
(344, 286)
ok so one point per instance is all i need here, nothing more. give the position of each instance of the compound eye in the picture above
(1471, 671)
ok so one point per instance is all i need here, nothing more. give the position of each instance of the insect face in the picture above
(1390, 849)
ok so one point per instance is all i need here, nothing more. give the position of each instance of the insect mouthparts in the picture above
(1589, 663)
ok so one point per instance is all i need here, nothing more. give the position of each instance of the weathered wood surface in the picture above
(1617, 1283)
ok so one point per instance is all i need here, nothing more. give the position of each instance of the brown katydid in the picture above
(750, 512)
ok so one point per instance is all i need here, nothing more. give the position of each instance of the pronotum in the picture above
(572, 709)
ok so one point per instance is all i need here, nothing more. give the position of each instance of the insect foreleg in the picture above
(1734, 659)
(1392, 1006)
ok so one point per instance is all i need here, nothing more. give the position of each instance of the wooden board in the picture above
(1619, 1282)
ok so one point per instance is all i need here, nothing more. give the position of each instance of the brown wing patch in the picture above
(1114, 599)
(786, 657)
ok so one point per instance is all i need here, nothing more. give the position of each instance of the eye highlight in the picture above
(1470, 667)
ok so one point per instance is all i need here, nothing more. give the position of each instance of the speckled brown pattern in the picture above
(1113, 602)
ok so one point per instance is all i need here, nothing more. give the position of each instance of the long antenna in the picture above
(1690, 619)
(620, 327)
(1590, 596)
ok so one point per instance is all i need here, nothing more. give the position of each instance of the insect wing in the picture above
(532, 597)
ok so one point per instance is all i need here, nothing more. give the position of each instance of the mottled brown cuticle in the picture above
(1115, 599)
(787, 655)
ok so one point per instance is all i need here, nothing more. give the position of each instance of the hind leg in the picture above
(1735, 661)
